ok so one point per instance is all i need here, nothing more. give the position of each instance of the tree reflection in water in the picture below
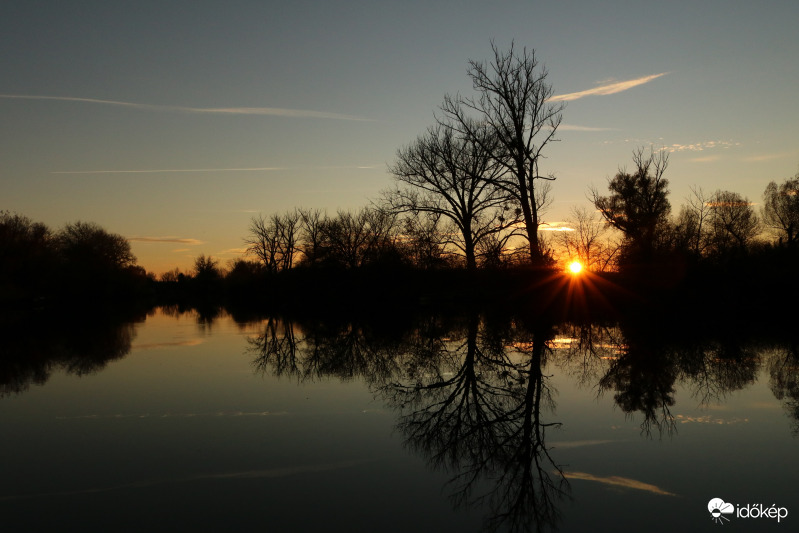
(473, 396)
(472, 399)
(480, 416)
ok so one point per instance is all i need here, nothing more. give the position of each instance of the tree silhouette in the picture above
(273, 240)
(514, 104)
(638, 205)
(780, 210)
(452, 175)
(733, 223)
(87, 245)
(27, 256)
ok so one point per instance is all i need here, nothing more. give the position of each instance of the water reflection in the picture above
(31, 351)
(474, 395)
(479, 411)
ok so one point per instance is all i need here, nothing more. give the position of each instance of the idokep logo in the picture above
(718, 508)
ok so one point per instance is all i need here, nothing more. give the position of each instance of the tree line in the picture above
(78, 262)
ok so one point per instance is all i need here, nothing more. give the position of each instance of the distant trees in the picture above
(780, 210)
(638, 205)
(311, 238)
(514, 105)
(206, 269)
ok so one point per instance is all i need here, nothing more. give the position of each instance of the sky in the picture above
(173, 123)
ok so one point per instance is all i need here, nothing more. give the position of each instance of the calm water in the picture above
(184, 422)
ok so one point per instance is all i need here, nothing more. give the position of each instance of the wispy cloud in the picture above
(767, 157)
(608, 88)
(228, 169)
(159, 171)
(262, 111)
(700, 146)
(618, 481)
(232, 251)
(574, 127)
(555, 226)
(166, 239)
(706, 159)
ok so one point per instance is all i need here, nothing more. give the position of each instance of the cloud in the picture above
(706, 159)
(619, 482)
(262, 111)
(609, 88)
(166, 239)
(229, 169)
(700, 146)
(158, 171)
(767, 157)
(232, 251)
(555, 226)
(573, 127)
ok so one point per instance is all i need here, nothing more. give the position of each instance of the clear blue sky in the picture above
(156, 107)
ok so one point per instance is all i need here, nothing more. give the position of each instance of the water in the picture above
(181, 421)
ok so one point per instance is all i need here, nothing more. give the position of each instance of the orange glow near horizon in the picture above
(575, 267)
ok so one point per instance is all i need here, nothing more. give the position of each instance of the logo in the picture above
(718, 508)
(721, 511)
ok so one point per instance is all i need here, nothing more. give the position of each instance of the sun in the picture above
(575, 267)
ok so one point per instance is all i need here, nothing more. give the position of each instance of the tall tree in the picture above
(514, 103)
(449, 174)
(638, 205)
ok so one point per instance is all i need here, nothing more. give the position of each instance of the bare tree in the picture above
(515, 104)
(312, 235)
(274, 240)
(780, 210)
(452, 175)
(425, 240)
(356, 239)
(693, 224)
(588, 241)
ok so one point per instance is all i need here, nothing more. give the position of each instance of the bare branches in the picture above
(513, 104)
(452, 175)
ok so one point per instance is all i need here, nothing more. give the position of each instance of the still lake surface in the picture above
(184, 421)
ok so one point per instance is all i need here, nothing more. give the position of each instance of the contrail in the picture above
(270, 111)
